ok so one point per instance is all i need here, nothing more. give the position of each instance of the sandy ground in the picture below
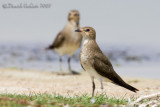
(31, 81)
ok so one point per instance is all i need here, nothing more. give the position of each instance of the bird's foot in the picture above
(69, 73)
(101, 87)
(62, 73)
(74, 73)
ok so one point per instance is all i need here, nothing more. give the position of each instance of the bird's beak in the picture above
(78, 30)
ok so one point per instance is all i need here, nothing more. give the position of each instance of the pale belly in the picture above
(93, 73)
(67, 49)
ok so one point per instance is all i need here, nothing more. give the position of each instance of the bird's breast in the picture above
(86, 54)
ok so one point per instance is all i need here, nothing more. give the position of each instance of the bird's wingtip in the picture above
(49, 47)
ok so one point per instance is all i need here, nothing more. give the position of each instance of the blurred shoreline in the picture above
(128, 60)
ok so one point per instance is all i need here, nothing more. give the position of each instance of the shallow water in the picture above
(127, 60)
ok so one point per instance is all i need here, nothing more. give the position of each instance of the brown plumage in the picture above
(68, 41)
(96, 63)
(59, 40)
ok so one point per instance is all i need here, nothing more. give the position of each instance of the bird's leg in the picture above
(69, 65)
(101, 84)
(101, 81)
(93, 86)
(60, 63)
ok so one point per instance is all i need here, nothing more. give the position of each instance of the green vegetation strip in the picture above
(56, 100)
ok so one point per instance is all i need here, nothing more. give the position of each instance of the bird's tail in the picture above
(118, 80)
(129, 87)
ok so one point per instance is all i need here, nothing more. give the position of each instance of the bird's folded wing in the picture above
(59, 40)
(105, 69)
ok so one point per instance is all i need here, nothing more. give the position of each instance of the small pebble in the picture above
(66, 105)
(93, 101)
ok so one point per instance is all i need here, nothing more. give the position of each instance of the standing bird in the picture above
(68, 41)
(96, 63)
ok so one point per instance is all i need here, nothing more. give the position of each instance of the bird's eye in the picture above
(87, 30)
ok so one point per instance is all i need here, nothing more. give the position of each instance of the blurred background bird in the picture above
(68, 41)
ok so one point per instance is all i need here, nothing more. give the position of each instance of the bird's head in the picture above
(74, 16)
(87, 32)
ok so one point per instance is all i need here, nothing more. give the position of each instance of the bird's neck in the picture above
(85, 41)
(71, 26)
(73, 23)
(88, 41)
